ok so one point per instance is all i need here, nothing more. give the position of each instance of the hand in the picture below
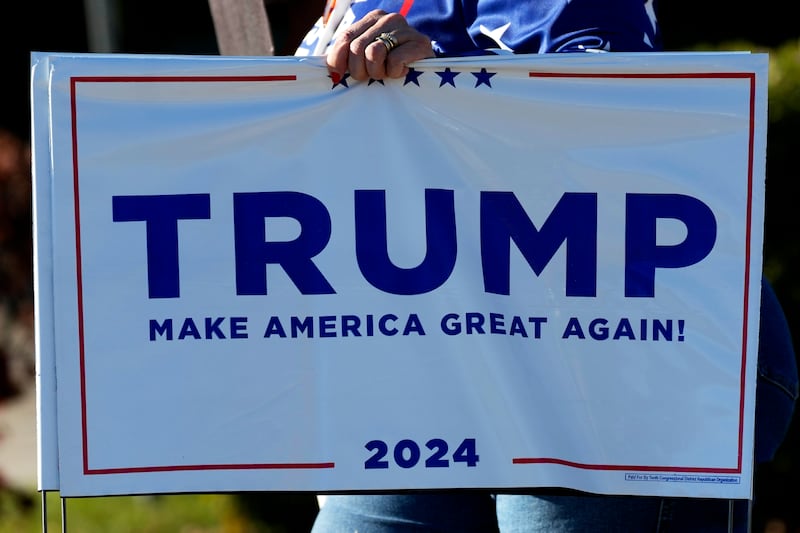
(358, 51)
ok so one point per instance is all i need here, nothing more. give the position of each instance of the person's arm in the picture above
(347, 33)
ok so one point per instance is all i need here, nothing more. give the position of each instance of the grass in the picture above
(201, 513)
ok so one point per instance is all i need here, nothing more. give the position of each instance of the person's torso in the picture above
(473, 27)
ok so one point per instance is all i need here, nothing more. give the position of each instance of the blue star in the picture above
(412, 77)
(339, 81)
(371, 81)
(448, 76)
(483, 77)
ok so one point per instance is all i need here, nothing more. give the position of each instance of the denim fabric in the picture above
(456, 512)
(610, 514)
(479, 512)
(570, 512)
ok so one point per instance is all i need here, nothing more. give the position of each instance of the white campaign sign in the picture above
(498, 272)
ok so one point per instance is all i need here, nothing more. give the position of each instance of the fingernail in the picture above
(336, 77)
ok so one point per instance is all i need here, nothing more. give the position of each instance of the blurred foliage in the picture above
(782, 246)
(174, 513)
(782, 243)
(16, 266)
(784, 82)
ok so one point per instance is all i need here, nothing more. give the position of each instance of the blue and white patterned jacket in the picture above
(477, 27)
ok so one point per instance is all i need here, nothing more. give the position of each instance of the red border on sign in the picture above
(747, 76)
(84, 431)
(751, 78)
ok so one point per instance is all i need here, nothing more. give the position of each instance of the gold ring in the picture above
(388, 40)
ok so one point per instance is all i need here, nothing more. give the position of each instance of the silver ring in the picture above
(388, 40)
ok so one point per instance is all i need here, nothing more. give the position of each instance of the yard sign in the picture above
(495, 272)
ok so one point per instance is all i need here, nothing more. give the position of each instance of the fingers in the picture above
(358, 51)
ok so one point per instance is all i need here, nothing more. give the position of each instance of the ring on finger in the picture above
(388, 40)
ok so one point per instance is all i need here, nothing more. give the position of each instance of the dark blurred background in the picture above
(186, 27)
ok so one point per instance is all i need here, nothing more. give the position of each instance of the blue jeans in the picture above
(567, 511)
(482, 512)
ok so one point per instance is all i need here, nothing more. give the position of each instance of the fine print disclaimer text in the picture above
(683, 478)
